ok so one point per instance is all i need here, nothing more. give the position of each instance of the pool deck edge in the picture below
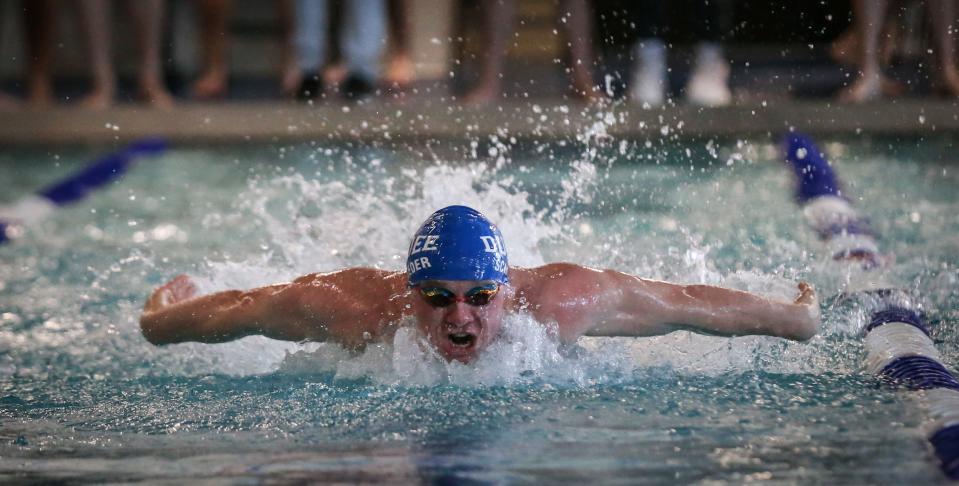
(385, 120)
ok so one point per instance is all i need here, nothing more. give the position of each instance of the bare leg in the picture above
(94, 19)
(290, 75)
(214, 38)
(399, 70)
(869, 15)
(846, 48)
(147, 17)
(576, 17)
(498, 18)
(941, 14)
(38, 20)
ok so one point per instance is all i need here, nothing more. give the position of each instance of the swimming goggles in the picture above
(477, 296)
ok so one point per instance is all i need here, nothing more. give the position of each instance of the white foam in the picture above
(525, 351)
(28, 211)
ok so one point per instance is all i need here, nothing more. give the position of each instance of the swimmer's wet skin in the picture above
(458, 287)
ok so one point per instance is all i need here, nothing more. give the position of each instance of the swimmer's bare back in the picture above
(357, 305)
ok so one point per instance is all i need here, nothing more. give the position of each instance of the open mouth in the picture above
(462, 339)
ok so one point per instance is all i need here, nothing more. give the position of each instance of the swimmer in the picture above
(458, 286)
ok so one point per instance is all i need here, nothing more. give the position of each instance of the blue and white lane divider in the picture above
(98, 173)
(847, 235)
(897, 340)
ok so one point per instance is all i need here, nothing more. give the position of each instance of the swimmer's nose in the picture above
(458, 314)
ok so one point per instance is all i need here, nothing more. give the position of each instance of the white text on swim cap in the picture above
(493, 244)
(424, 243)
(418, 264)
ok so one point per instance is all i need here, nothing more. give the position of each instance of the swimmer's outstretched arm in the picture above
(350, 307)
(610, 303)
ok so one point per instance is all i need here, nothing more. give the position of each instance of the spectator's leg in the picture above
(290, 74)
(214, 38)
(709, 82)
(362, 41)
(309, 40)
(399, 68)
(148, 17)
(577, 20)
(647, 85)
(942, 14)
(869, 16)
(94, 19)
(498, 16)
(39, 22)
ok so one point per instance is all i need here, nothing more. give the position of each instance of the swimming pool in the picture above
(83, 395)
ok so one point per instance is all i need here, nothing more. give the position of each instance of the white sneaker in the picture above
(709, 83)
(648, 86)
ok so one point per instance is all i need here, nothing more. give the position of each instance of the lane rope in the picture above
(30, 210)
(897, 339)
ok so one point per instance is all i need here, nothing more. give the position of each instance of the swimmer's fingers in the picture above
(177, 290)
(181, 288)
(807, 295)
(808, 320)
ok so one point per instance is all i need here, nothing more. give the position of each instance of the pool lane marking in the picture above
(34, 208)
(897, 340)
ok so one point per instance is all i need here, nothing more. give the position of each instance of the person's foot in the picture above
(950, 83)
(709, 83)
(867, 87)
(40, 95)
(156, 96)
(212, 85)
(290, 80)
(310, 88)
(334, 74)
(648, 86)
(482, 94)
(588, 94)
(399, 71)
(98, 100)
(356, 88)
(891, 87)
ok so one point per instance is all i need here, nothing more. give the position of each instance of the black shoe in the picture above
(311, 87)
(356, 88)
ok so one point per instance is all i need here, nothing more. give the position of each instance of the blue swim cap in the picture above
(457, 243)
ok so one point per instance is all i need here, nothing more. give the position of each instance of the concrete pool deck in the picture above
(398, 120)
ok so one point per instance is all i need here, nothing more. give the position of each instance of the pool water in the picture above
(84, 396)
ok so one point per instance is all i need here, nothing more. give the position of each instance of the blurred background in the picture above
(94, 53)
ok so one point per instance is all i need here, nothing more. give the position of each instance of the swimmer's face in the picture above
(460, 330)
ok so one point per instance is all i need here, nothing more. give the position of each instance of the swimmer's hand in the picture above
(807, 323)
(179, 289)
(807, 295)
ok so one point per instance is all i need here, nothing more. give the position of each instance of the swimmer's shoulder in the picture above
(533, 283)
(355, 276)
(544, 274)
(364, 289)
(364, 301)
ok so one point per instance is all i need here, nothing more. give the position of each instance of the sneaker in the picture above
(356, 88)
(709, 83)
(648, 87)
(310, 87)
